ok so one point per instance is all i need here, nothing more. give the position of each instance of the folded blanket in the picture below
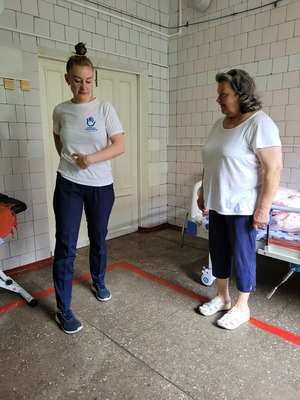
(283, 220)
(287, 197)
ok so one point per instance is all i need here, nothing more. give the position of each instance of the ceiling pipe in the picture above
(77, 3)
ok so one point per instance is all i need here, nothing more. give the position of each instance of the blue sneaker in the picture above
(102, 293)
(68, 322)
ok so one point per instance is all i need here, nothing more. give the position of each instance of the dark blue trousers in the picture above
(232, 245)
(68, 202)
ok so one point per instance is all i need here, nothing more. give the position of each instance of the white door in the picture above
(121, 90)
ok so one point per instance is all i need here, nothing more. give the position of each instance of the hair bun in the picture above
(80, 49)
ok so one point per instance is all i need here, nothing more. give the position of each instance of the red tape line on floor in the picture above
(274, 330)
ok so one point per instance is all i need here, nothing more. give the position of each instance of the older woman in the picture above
(242, 163)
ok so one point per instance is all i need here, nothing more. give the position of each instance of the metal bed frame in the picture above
(292, 256)
(7, 282)
(193, 227)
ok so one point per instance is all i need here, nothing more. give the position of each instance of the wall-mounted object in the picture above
(201, 5)
(25, 86)
(9, 84)
(11, 63)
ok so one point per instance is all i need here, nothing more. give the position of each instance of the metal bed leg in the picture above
(8, 283)
(183, 228)
(294, 268)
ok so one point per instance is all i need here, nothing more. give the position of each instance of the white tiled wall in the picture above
(181, 95)
(29, 25)
(266, 43)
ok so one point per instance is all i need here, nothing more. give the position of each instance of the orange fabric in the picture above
(8, 220)
(290, 244)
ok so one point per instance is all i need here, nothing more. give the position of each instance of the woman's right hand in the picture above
(81, 160)
(200, 200)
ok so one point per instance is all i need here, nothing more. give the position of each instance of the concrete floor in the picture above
(149, 341)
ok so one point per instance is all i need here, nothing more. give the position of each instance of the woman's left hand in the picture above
(260, 218)
(81, 160)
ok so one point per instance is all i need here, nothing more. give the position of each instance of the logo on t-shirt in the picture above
(90, 122)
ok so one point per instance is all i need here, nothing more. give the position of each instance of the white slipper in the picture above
(213, 306)
(233, 319)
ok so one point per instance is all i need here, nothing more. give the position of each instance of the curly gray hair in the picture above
(244, 86)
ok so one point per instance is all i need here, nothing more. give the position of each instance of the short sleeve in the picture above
(112, 122)
(56, 122)
(265, 134)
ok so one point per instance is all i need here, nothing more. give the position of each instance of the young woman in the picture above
(87, 134)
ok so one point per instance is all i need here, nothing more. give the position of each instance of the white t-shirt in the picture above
(233, 173)
(85, 128)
